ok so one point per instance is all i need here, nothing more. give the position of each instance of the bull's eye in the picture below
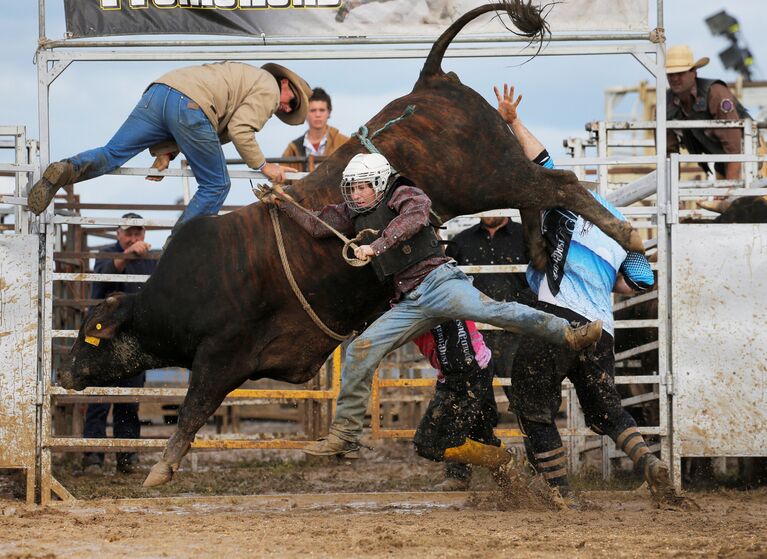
(98, 326)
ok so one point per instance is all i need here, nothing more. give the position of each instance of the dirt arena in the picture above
(377, 506)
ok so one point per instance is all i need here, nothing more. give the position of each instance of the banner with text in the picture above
(330, 18)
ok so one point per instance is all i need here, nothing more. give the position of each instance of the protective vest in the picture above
(404, 254)
(696, 140)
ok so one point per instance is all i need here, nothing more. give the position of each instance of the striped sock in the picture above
(632, 443)
(553, 466)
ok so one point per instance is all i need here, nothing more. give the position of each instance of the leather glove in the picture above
(265, 193)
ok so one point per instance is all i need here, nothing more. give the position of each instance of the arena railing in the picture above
(54, 57)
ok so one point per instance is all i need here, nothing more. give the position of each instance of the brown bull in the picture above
(219, 303)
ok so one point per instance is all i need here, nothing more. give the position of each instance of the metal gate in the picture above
(719, 334)
(18, 355)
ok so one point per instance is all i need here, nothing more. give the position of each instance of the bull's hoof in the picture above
(635, 242)
(161, 473)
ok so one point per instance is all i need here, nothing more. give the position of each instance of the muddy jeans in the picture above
(446, 293)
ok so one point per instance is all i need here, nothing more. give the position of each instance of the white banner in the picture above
(333, 18)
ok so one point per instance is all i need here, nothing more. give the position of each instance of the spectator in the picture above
(692, 98)
(320, 138)
(125, 420)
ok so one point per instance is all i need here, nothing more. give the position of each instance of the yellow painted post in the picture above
(375, 407)
(335, 387)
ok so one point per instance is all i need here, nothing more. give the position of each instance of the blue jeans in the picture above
(446, 293)
(164, 114)
(125, 423)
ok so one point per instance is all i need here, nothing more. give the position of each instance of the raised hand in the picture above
(507, 106)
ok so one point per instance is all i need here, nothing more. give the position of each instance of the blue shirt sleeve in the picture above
(544, 160)
(637, 272)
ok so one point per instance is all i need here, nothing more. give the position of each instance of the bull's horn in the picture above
(718, 206)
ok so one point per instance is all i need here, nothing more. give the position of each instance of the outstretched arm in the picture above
(507, 107)
(335, 215)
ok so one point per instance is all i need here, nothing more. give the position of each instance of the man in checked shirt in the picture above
(428, 289)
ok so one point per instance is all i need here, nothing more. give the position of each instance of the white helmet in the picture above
(370, 168)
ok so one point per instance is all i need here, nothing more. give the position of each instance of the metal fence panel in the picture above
(719, 279)
(18, 354)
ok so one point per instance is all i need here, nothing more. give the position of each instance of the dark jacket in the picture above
(100, 290)
(474, 246)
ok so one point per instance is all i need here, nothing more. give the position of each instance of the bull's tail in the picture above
(525, 16)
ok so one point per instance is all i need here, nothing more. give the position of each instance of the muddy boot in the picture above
(658, 479)
(333, 445)
(55, 176)
(478, 454)
(656, 475)
(566, 498)
(583, 336)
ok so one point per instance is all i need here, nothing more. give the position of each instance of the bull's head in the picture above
(105, 350)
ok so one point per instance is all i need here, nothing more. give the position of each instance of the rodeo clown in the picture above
(584, 267)
(428, 289)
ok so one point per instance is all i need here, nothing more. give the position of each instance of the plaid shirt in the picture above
(412, 206)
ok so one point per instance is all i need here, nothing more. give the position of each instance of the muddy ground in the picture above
(307, 515)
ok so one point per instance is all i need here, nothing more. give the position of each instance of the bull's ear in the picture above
(107, 318)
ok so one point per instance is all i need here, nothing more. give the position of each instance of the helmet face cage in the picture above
(372, 169)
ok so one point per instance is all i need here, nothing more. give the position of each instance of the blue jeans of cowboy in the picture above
(446, 293)
(165, 114)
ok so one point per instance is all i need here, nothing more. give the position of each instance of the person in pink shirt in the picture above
(463, 411)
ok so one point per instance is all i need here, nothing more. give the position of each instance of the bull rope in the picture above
(274, 214)
(367, 143)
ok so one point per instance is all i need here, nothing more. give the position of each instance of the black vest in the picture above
(404, 254)
(695, 139)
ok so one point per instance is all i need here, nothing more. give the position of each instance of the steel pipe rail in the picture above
(162, 394)
(267, 42)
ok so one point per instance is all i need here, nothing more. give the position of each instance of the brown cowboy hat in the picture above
(300, 88)
(679, 58)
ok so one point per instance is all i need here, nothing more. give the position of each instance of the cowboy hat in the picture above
(300, 88)
(679, 59)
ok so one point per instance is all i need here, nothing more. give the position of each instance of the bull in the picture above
(745, 209)
(218, 303)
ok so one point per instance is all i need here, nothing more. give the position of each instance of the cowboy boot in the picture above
(55, 176)
(333, 445)
(658, 479)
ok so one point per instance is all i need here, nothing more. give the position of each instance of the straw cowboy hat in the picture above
(300, 88)
(679, 58)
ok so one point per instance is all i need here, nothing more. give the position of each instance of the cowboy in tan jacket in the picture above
(193, 110)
